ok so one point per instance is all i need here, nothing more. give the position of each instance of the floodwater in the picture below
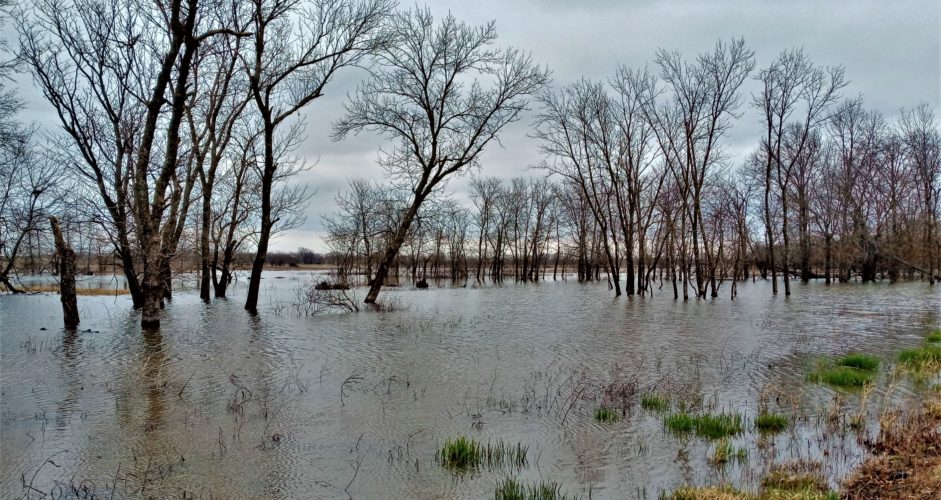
(220, 404)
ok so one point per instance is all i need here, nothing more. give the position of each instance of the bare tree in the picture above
(234, 203)
(919, 130)
(484, 194)
(66, 270)
(577, 132)
(118, 75)
(422, 95)
(27, 194)
(26, 181)
(298, 48)
(220, 98)
(355, 229)
(794, 100)
(642, 183)
(689, 127)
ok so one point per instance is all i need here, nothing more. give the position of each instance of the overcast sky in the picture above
(890, 50)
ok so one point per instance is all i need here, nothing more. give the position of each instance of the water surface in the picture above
(220, 404)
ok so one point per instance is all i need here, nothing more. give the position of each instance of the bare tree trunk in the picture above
(261, 253)
(204, 277)
(769, 232)
(391, 251)
(786, 256)
(806, 271)
(66, 277)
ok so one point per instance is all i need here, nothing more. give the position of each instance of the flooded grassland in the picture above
(555, 382)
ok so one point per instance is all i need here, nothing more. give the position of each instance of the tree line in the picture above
(635, 181)
(178, 123)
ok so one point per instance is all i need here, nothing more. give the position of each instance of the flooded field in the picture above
(220, 404)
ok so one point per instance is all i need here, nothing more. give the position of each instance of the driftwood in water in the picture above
(66, 276)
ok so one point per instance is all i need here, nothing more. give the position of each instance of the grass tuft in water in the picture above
(921, 364)
(679, 423)
(859, 361)
(605, 414)
(923, 355)
(724, 453)
(511, 489)
(465, 453)
(934, 336)
(716, 426)
(654, 402)
(461, 453)
(770, 423)
(711, 426)
(841, 376)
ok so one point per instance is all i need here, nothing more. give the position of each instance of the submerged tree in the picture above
(117, 75)
(922, 143)
(298, 48)
(444, 94)
(795, 97)
(704, 98)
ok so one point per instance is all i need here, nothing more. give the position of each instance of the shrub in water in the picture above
(712, 426)
(921, 355)
(461, 453)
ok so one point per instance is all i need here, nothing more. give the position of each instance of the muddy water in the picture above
(220, 404)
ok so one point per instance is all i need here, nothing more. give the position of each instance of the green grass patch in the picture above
(711, 426)
(770, 423)
(841, 376)
(465, 453)
(715, 426)
(859, 361)
(680, 423)
(511, 489)
(460, 453)
(923, 363)
(654, 402)
(934, 336)
(605, 414)
(921, 355)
